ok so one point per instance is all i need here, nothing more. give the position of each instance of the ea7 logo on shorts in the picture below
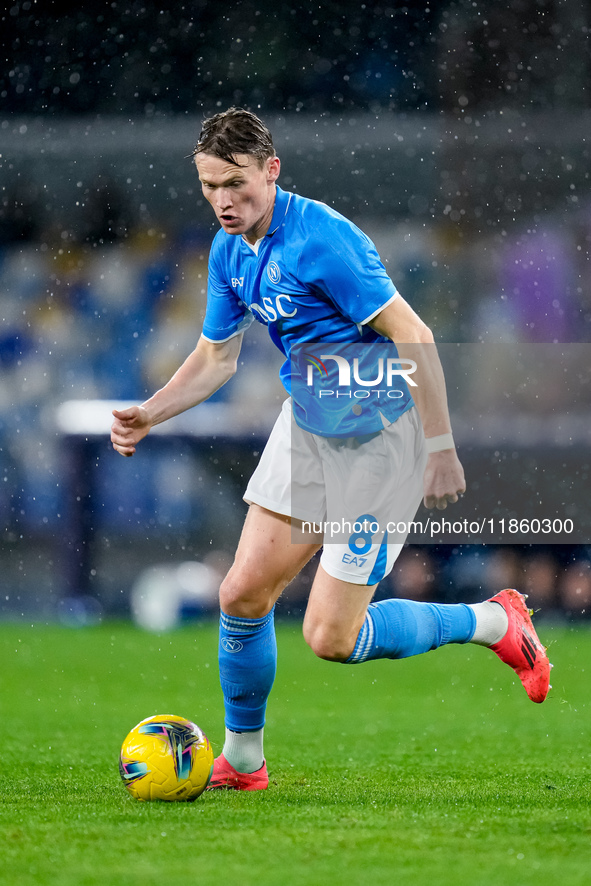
(237, 281)
(273, 272)
(353, 561)
(231, 645)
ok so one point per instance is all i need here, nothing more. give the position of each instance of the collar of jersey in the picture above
(282, 201)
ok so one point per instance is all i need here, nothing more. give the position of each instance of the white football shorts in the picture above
(359, 493)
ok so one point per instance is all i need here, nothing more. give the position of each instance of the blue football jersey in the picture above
(315, 277)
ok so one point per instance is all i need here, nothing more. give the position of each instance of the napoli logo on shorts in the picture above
(231, 645)
(273, 272)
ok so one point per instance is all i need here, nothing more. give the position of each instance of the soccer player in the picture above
(310, 275)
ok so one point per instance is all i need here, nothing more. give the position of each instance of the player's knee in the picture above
(328, 643)
(238, 598)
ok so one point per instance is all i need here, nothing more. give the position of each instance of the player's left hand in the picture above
(444, 479)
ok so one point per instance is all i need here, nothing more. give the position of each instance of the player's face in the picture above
(242, 196)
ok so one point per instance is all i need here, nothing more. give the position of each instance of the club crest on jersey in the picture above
(273, 272)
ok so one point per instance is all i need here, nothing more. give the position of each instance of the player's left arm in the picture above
(444, 475)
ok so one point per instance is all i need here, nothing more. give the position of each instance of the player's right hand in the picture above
(130, 426)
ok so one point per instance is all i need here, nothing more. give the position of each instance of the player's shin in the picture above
(401, 628)
(248, 661)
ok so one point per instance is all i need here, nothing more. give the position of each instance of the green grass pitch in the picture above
(433, 770)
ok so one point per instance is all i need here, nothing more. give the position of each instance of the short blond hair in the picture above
(235, 131)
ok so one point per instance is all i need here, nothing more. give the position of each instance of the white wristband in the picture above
(437, 444)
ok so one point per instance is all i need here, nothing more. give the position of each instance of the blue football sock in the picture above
(401, 628)
(248, 661)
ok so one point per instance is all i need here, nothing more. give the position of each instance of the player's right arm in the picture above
(204, 371)
(444, 476)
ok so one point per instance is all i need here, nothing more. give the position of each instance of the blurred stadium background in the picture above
(455, 133)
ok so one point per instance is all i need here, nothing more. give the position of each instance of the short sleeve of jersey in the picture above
(341, 261)
(226, 315)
